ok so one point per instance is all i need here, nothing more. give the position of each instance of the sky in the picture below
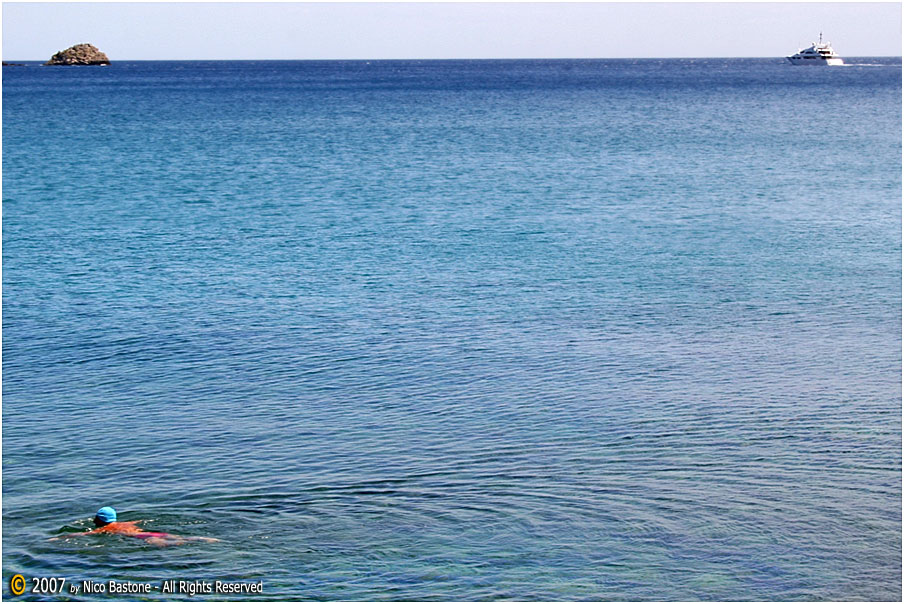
(447, 30)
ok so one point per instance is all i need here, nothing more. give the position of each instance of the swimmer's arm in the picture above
(68, 535)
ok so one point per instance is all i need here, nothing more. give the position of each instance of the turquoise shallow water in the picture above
(535, 330)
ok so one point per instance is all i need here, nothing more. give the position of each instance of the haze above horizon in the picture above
(259, 31)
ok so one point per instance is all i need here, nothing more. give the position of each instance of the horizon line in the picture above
(460, 59)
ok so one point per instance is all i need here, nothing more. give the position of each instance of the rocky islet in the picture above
(80, 54)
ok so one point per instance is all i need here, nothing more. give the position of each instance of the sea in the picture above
(535, 330)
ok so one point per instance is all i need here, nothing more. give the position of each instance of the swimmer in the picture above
(106, 523)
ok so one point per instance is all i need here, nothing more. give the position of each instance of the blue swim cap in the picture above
(106, 515)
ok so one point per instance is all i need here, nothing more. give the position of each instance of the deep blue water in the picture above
(458, 330)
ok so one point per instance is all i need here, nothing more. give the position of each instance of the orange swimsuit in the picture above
(131, 529)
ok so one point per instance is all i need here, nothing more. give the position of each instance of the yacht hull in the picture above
(803, 61)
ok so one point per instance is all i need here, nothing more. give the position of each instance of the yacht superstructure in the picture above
(819, 53)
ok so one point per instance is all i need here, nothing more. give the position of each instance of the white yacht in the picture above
(819, 53)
